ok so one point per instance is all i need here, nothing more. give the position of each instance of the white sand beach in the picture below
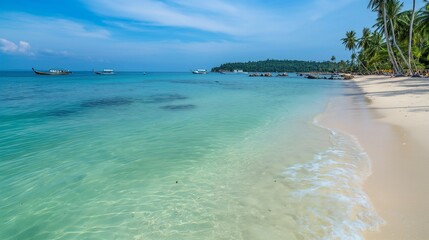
(390, 118)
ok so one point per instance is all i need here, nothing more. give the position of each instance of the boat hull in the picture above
(200, 71)
(51, 73)
(103, 73)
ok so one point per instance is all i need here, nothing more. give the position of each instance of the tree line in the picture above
(271, 65)
(398, 42)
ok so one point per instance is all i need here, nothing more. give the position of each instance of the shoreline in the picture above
(388, 119)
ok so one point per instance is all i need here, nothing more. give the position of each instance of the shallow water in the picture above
(175, 156)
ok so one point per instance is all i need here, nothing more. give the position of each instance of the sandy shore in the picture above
(390, 118)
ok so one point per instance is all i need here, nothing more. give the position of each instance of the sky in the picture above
(172, 35)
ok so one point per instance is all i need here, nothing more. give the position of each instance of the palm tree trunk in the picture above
(414, 63)
(386, 35)
(376, 69)
(410, 40)
(360, 63)
(397, 47)
(393, 58)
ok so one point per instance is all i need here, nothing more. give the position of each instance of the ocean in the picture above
(176, 156)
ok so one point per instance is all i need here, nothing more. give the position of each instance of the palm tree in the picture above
(375, 46)
(423, 19)
(422, 30)
(364, 40)
(353, 58)
(333, 58)
(363, 44)
(402, 26)
(410, 39)
(379, 6)
(350, 42)
(394, 33)
(393, 9)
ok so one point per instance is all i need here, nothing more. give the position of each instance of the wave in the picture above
(329, 192)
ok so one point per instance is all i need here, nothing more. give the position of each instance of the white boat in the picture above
(235, 71)
(336, 77)
(200, 71)
(239, 71)
(105, 72)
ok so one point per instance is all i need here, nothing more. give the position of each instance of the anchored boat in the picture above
(105, 72)
(52, 72)
(200, 71)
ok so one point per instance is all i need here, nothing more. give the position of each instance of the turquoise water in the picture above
(172, 156)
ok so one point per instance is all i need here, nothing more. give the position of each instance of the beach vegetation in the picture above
(271, 65)
(397, 43)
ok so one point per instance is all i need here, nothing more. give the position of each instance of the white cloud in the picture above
(24, 47)
(218, 16)
(235, 18)
(26, 23)
(76, 29)
(158, 13)
(10, 47)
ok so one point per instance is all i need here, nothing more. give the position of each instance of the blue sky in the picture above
(172, 35)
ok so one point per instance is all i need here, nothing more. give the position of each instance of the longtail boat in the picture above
(52, 72)
(105, 72)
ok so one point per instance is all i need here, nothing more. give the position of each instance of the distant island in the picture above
(271, 65)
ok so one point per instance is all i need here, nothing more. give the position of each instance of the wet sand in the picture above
(390, 119)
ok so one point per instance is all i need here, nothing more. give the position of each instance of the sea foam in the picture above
(329, 190)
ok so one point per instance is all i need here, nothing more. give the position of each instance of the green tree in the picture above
(393, 8)
(379, 6)
(350, 42)
(410, 38)
(333, 59)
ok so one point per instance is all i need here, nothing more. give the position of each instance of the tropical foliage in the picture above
(398, 42)
(285, 66)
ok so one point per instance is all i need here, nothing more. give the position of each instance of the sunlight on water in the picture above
(171, 156)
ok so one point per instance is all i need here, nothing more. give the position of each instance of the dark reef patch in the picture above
(178, 107)
(164, 98)
(16, 98)
(194, 82)
(61, 113)
(107, 102)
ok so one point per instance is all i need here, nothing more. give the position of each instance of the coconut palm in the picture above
(402, 27)
(333, 58)
(376, 50)
(375, 45)
(403, 23)
(353, 58)
(423, 19)
(399, 39)
(363, 44)
(393, 9)
(421, 34)
(364, 40)
(351, 42)
(410, 38)
(379, 6)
